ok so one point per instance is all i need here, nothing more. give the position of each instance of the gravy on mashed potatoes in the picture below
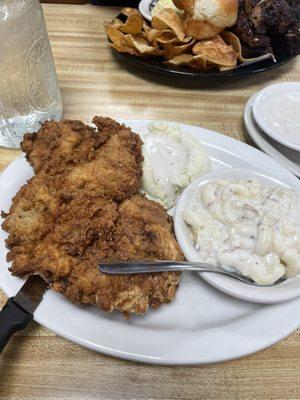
(172, 160)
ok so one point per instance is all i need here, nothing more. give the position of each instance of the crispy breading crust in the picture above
(82, 206)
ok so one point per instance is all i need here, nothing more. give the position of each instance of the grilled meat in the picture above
(262, 22)
(271, 16)
(246, 31)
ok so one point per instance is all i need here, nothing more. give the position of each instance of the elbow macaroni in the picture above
(252, 228)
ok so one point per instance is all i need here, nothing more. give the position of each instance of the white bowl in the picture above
(144, 8)
(287, 157)
(276, 109)
(284, 291)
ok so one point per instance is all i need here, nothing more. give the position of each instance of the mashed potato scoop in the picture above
(172, 160)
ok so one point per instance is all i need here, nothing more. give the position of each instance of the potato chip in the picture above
(141, 45)
(154, 33)
(165, 40)
(165, 37)
(233, 40)
(116, 23)
(216, 51)
(168, 19)
(143, 35)
(201, 62)
(146, 27)
(173, 50)
(188, 39)
(197, 61)
(127, 11)
(181, 59)
(133, 24)
(114, 34)
(123, 48)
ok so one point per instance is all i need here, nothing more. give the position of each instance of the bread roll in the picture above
(206, 18)
(199, 29)
(186, 5)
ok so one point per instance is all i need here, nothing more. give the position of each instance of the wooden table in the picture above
(37, 364)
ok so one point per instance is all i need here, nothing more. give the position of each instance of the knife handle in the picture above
(12, 319)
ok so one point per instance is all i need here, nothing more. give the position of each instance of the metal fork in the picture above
(142, 267)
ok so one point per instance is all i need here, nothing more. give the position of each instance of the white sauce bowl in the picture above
(276, 109)
(273, 294)
(144, 9)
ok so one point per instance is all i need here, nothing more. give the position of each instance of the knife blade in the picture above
(18, 311)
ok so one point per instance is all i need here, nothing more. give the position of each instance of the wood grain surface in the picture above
(37, 364)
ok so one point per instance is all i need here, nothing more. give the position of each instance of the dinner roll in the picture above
(199, 29)
(206, 18)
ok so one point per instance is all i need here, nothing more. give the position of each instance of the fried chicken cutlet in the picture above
(83, 206)
(140, 229)
(100, 162)
(96, 153)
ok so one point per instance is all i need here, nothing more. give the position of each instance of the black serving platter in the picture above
(159, 66)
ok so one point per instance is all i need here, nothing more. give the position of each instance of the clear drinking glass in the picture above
(29, 93)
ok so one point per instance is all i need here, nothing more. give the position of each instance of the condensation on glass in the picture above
(29, 93)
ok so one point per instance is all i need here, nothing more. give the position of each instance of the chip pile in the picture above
(166, 38)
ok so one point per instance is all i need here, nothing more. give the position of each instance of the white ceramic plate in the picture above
(202, 325)
(287, 157)
(144, 8)
(276, 111)
(274, 294)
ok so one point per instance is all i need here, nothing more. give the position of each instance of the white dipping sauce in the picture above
(281, 112)
(276, 109)
(172, 160)
(246, 226)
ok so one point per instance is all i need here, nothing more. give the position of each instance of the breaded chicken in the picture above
(61, 143)
(144, 231)
(114, 172)
(99, 162)
(82, 206)
(32, 215)
(67, 142)
(125, 293)
(111, 170)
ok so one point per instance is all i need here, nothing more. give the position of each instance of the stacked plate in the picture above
(272, 119)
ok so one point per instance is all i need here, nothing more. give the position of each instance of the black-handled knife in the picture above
(18, 311)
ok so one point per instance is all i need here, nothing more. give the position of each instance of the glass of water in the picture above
(29, 93)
